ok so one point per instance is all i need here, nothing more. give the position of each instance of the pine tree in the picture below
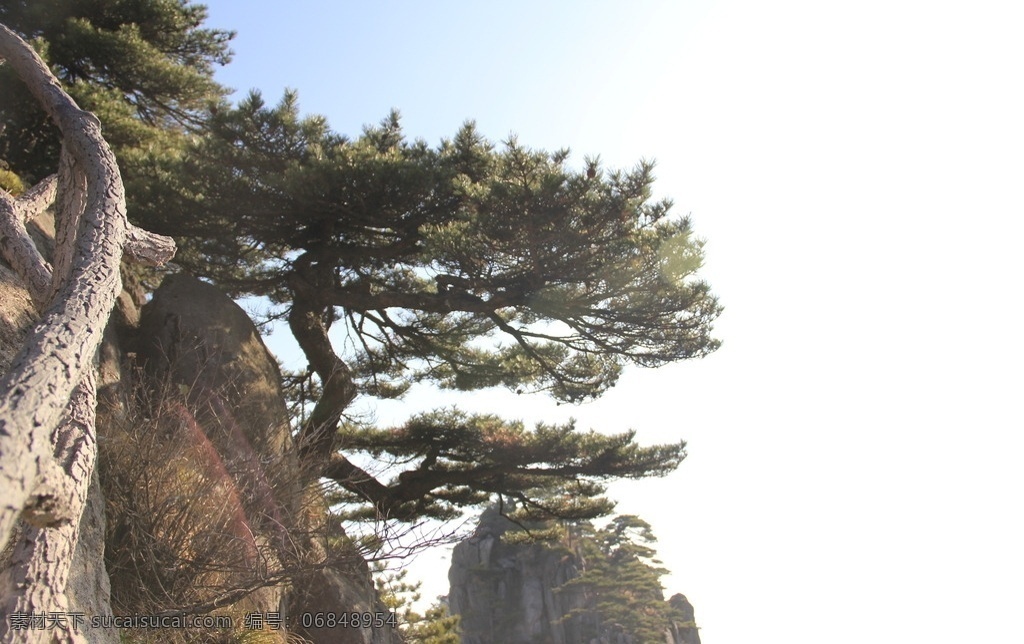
(468, 265)
(434, 626)
(620, 580)
(144, 67)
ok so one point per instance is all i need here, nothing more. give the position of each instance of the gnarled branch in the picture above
(47, 400)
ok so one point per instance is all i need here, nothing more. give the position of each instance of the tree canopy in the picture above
(464, 460)
(469, 264)
(144, 67)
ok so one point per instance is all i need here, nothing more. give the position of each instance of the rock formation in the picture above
(506, 591)
(683, 629)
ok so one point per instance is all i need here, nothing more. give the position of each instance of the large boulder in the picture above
(196, 340)
(194, 334)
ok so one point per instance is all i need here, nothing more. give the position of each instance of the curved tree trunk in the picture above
(48, 400)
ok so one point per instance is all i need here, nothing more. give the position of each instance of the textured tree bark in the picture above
(41, 561)
(20, 252)
(48, 399)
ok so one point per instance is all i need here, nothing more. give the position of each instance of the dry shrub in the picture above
(187, 529)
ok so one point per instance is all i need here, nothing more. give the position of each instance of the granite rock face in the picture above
(197, 336)
(340, 589)
(508, 593)
(684, 628)
(505, 593)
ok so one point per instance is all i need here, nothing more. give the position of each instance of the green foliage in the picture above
(465, 460)
(435, 626)
(11, 182)
(145, 67)
(620, 578)
(469, 265)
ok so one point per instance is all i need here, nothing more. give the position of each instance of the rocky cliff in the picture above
(205, 416)
(507, 591)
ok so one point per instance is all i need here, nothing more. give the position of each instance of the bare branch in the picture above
(21, 253)
(37, 198)
(70, 206)
(148, 249)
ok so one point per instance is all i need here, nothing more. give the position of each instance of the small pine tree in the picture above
(435, 626)
(620, 580)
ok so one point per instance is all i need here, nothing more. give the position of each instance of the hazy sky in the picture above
(857, 169)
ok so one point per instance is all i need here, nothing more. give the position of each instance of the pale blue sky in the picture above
(854, 470)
